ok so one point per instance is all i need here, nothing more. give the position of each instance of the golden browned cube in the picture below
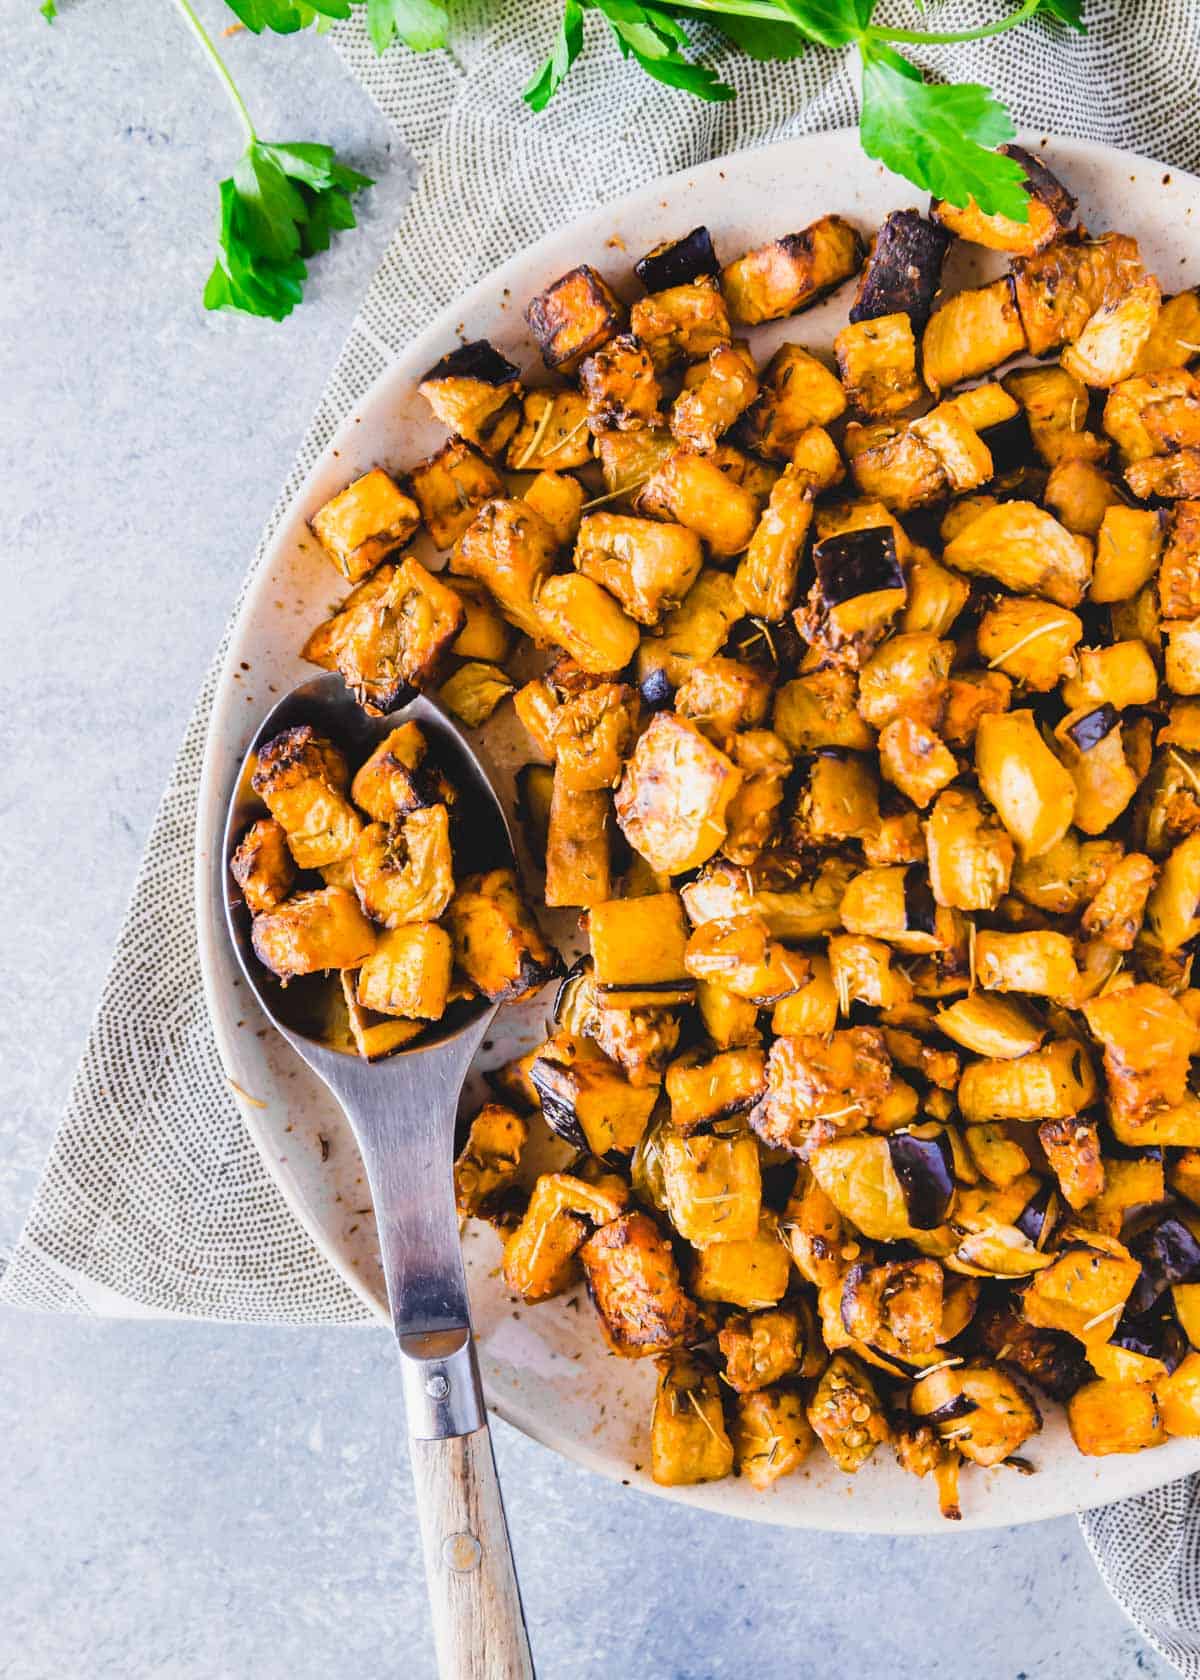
(364, 523)
(574, 317)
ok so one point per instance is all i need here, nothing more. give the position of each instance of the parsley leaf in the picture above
(1069, 12)
(48, 10)
(938, 136)
(420, 24)
(285, 17)
(567, 49)
(653, 38)
(761, 39)
(834, 23)
(283, 203)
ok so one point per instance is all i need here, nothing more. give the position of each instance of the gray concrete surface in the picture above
(201, 1503)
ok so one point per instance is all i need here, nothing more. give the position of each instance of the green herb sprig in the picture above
(284, 202)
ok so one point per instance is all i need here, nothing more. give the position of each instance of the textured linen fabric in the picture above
(154, 1200)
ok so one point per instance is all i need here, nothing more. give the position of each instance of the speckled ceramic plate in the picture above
(546, 1368)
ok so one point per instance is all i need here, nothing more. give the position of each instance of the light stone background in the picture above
(204, 1503)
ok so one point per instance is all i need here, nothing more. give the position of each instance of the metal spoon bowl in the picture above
(402, 1111)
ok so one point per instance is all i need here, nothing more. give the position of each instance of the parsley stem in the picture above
(768, 10)
(947, 38)
(218, 64)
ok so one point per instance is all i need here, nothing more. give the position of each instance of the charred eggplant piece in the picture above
(904, 269)
(857, 563)
(925, 1169)
(1169, 1254)
(677, 262)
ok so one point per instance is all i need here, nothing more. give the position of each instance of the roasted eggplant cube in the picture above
(695, 631)
(558, 498)
(704, 1087)
(676, 262)
(586, 1098)
(797, 392)
(1179, 572)
(1093, 751)
(981, 1408)
(877, 360)
(847, 1415)
(895, 1307)
(971, 333)
(489, 1159)
(511, 550)
(682, 323)
(634, 1282)
(312, 932)
(1056, 408)
(364, 523)
(404, 872)
(587, 622)
(1029, 640)
(301, 778)
(262, 866)
(621, 387)
(673, 798)
(1055, 1082)
(1059, 289)
(1166, 476)
(451, 487)
(747, 1272)
(408, 973)
(859, 577)
(593, 734)
(688, 1439)
(762, 1348)
(711, 1185)
(822, 1086)
(648, 565)
(739, 953)
(692, 490)
(1051, 208)
(903, 269)
(638, 947)
(553, 435)
(1072, 1148)
(723, 696)
(1109, 348)
(400, 641)
(1033, 792)
(715, 393)
(1084, 1289)
(475, 393)
(474, 691)
(573, 317)
(578, 845)
(792, 273)
(970, 854)
(1115, 1417)
(771, 1435)
(541, 1255)
(497, 944)
(374, 1035)
(397, 779)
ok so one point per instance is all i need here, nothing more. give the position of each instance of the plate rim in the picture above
(913, 1519)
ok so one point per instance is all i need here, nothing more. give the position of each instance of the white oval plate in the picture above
(546, 1368)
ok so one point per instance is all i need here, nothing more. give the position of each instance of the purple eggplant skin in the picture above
(1157, 1335)
(559, 1115)
(960, 1406)
(924, 1167)
(1169, 1254)
(677, 262)
(1043, 183)
(1088, 731)
(477, 360)
(1032, 1218)
(904, 270)
(1009, 443)
(857, 563)
(920, 907)
(655, 690)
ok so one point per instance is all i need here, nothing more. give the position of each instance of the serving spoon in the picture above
(402, 1110)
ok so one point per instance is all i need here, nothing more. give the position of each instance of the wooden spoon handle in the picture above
(478, 1623)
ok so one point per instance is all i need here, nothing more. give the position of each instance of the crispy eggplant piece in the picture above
(980, 1407)
(474, 691)
(404, 872)
(634, 1281)
(847, 1414)
(397, 642)
(1050, 1359)
(1093, 752)
(818, 1088)
(1054, 1082)
(578, 846)
(970, 854)
(585, 620)
(738, 952)
(485, 635)
(763, 1348)
(1051, 208)
(697, 629)
(769, 570)
(497, 944)
(971, 333)
(797, 393)
(693, 491)
(1110, 346)
(1084, 1289)
(374, 1035)
(820, 710)
(895, 1307)
(1040, 962)
(364, 523)
(451, 487)
(638, 948)
(593, 734)
(1060, 288)
(672, 800)
(681, 323)
(677, 262)
(1055, 405)
(715, 393)
(753, 814)
(621, 387)
(558, 498)
(475, 392)
(1166, 476)
(723, 695)
(1026, 549)
(1115, 1417)
(711, 1185)
(794, 272)
(408, 973)
(896, 903)
(311, 932)
(1033, 793)
(749, 1272)
(488, 1161)
(262, 866)
(877, 361)
(771, 1435)
(587, 1100)
(553, 435)
(688, 1439)
(903, 269)
(1148, 1039)
(647, 564)
(302, 778)
(541, 1255)
(573, 317)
